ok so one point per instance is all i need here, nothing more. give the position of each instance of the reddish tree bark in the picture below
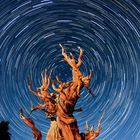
(62, 103)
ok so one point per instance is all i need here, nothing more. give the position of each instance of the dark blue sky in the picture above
(108, 31)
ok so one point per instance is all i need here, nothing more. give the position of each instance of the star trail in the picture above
(108, 31)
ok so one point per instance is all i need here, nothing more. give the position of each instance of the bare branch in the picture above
(54, 87)
(99, 123)
(90, 75)
(87, 127)
(80, 57)
(58, 79)
(70, 61)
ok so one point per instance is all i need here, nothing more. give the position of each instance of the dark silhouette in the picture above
(4, 128)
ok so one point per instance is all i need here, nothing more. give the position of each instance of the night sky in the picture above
(108, 31)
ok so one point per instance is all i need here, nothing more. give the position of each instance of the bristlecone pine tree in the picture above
(59, 106)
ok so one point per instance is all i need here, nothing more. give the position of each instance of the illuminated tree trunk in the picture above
(59, 106)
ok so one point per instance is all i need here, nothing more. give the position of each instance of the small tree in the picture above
(4, 130)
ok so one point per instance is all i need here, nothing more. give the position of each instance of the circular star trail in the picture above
(109, 34)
